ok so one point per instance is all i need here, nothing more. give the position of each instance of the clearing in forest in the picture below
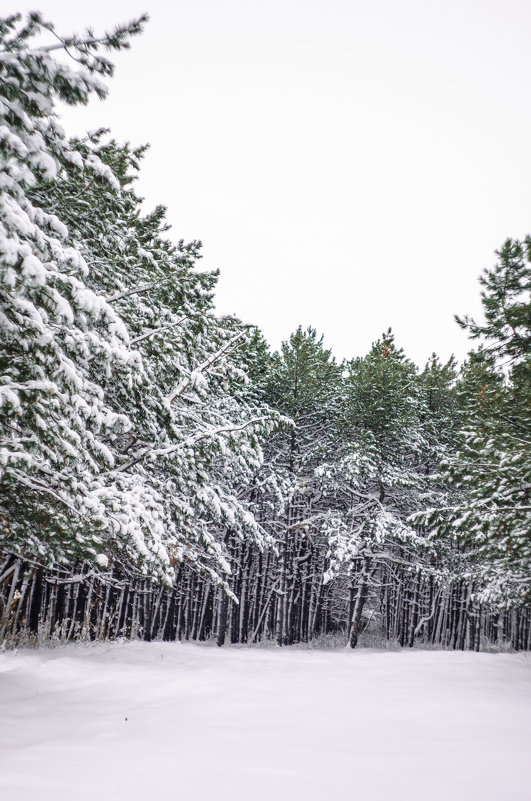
(180, 722)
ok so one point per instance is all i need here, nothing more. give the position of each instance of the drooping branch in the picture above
(183, 385)
(157, 331)
(152, 450)
(139, 290)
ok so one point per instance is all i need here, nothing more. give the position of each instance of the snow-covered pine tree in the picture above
(490, 511)
(120, 414)
(303, 384)
(54, 416)
(195, 419)
(377, 477)
(440, 415)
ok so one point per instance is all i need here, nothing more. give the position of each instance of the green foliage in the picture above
(132, 418)
(125, 434)
(506, 304)
(440, 417)
(488, 506)
(304, 375)
(381, 397)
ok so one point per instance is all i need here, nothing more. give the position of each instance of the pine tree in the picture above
(122, 415)
(491, 473)
(506, 330)
(303, 385)
(54, 416)
(378, 476)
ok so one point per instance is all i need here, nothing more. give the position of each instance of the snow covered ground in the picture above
(182, 722)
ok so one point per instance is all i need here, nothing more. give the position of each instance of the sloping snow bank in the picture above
(182, 722)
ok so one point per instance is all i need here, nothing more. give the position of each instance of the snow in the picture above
(183, 722)
(74, 158)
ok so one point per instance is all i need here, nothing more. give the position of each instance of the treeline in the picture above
(56, 606)
(164, 475)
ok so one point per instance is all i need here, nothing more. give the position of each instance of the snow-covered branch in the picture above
(156, 331)
(187, 382)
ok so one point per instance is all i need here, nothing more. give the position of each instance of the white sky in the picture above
(348, 164)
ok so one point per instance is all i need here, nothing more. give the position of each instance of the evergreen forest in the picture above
(165, 475)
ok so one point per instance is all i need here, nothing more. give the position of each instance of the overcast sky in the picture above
(348, 165)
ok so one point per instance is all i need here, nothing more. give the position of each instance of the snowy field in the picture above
(168, 722)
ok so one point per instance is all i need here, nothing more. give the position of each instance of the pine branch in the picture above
(157, 331)
(137, 290)
(187, 382)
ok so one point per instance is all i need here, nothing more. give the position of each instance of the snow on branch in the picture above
(186, 383)
(157, 331)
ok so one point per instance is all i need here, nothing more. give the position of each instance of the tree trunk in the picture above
(361, 597)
